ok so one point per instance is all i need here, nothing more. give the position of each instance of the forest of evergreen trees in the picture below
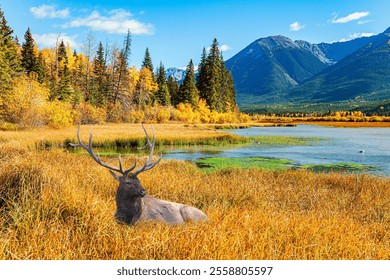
(59, 86)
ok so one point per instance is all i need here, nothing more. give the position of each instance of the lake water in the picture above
(368, 146)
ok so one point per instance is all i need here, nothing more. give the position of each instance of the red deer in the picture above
(132, 202)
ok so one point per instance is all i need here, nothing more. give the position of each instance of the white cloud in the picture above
(225, 48)
(196, 67)
(364, 21)
(47, 11)
(116, 22)
(350, 17)
(355, 36)
(296, 26)
(49, 40)
(222, 48)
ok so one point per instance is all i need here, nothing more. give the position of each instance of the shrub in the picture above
(25, 103)
(137, 116)
(163, 114)
(88, 114)
(245, 118)
(59, 114)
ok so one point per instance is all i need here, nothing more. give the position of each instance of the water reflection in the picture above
(342, 145)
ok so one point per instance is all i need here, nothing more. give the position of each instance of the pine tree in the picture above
(161, 76)
(9, 57)
(147, 62)
(202, 74)
(210, 83)
(173, 89)
(227, 99)
(40, 68)
(100, 84)
(162, 95)
(63, 87)
(188, 92)
(29, 59)
(215, 82)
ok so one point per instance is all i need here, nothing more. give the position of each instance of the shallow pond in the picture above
(366, 146)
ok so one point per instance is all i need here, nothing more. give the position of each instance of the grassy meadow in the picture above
(55, 204)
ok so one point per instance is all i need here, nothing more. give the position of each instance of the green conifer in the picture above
(188, 92)
(63, 87)
(9, 58)
(162, 95)
(173, 89)
(147, 62)
(100, 84)
(29, 59)
(215, 82)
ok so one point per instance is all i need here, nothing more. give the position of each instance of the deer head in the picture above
(130, 191)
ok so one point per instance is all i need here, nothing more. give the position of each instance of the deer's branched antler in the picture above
(147, 166)
(149, 163)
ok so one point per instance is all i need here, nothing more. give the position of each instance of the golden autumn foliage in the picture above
(26, 103)
(59, 114)
(88, 114)
(134, 77)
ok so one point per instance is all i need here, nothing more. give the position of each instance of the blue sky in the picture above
(176, 31)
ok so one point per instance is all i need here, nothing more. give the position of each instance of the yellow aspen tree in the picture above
(145, 88)
(25, 103)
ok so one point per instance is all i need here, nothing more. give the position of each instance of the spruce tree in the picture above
(40, 68)
(162, 95)
(188, 92)
(173, 89)
(202, 75)
(9, 58)
(212, 70)
(63, 87)
(227, 98)
(215, 82)
(147, 62)
(161, 75)
(100, 84)
(29, 59)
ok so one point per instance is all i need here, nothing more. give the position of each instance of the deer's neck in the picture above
(128, 210)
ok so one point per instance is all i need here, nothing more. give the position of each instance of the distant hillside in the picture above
(277, 70)
(274, 64)
(364, 75)
(338, 50)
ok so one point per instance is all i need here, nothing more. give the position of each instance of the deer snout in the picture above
(142, 193)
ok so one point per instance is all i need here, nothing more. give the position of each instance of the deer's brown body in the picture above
(169, 212)
(132, 202)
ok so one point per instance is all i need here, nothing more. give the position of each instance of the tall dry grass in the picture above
(57, 205)
(117, 135)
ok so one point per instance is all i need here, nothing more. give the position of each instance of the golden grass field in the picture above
(59, 205)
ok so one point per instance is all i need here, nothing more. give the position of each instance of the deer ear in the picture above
(116, 177)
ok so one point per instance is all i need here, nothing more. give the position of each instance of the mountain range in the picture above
(277, 70)
(177, 74)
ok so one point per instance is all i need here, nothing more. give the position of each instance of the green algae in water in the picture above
(339, 167)
(217, 163)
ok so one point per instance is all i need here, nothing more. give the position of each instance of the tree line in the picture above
(62, 85)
